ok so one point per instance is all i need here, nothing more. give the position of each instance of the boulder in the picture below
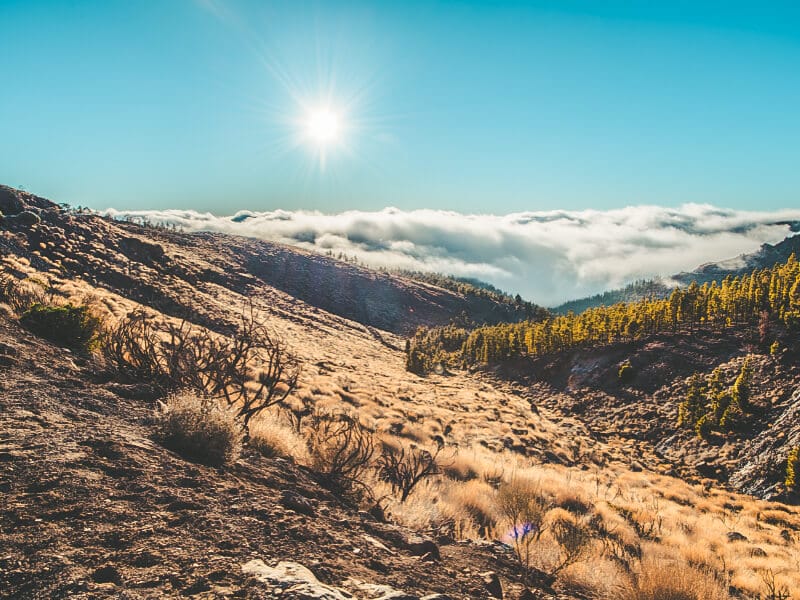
(492, 583)
(25, 218)
(294, 580)
(735, 536)
(297, 503)
(140, 250)
(10, 204)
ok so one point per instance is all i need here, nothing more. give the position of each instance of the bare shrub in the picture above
(182, 356)
(403, 470)
(773, 589)
(199, 429)
(341, 450)
(523, 507)
(572, 536)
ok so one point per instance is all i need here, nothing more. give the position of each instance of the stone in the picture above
(735, 536)
(140, 250)
(297, 503)
(294, 580)
(374, 591)
(24, 219)
(10, 204)
(414, 543)
(492, 584)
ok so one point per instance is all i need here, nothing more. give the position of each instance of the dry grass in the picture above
(681, 529)
(275, 439)
(199, 429)
(663, 578)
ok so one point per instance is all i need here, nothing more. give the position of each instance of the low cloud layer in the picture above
(548, 257)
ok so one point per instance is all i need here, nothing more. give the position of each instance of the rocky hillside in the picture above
(138, 261)
(586, 384)
(93, 508)
(614, 500)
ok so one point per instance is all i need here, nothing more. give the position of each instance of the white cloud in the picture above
(548, 257)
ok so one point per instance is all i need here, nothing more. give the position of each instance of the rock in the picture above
(735, 536)
(107, 574)
(140, 250)
(373, 591)
(399, 538)
(10, 204)
(293, 579)
(757, 552)
(24, 219)
(492, 583)
(528, 595)
(786, 535)
(297, 503)
(199, 586)
(421, 546)
(437, 597)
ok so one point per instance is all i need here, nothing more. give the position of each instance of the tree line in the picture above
(772, 293)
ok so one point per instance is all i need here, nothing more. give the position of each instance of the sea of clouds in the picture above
(547, 256)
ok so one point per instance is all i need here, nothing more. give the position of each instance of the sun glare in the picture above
(323, 126)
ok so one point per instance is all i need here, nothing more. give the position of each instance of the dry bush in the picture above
(181, 356)
(341, 450)
(71, 326)
(199, 429)
(596, 578)
(22, 294)
(274, 439)
(671, 579)
(523, 508)
(403, 470)
(571, 534)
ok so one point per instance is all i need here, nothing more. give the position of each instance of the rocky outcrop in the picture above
(293, 580)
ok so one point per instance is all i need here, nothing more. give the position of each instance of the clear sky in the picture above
(488, 107)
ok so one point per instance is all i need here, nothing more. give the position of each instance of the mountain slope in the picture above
(135, 259)
(766, 256)
(94, 507)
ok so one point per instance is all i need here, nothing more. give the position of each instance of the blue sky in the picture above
(481, 107)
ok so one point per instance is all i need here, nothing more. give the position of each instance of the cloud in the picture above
(548, 257)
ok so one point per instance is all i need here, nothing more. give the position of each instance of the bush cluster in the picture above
(70, 326)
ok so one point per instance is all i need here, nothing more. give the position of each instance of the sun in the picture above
(323, 126)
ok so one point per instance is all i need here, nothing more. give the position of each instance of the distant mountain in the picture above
(642, 288)
(764, 258)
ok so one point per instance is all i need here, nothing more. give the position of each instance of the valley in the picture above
(628, 503)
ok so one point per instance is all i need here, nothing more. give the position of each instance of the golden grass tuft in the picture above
(199, 429)
(273, 439)
(663, 578)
